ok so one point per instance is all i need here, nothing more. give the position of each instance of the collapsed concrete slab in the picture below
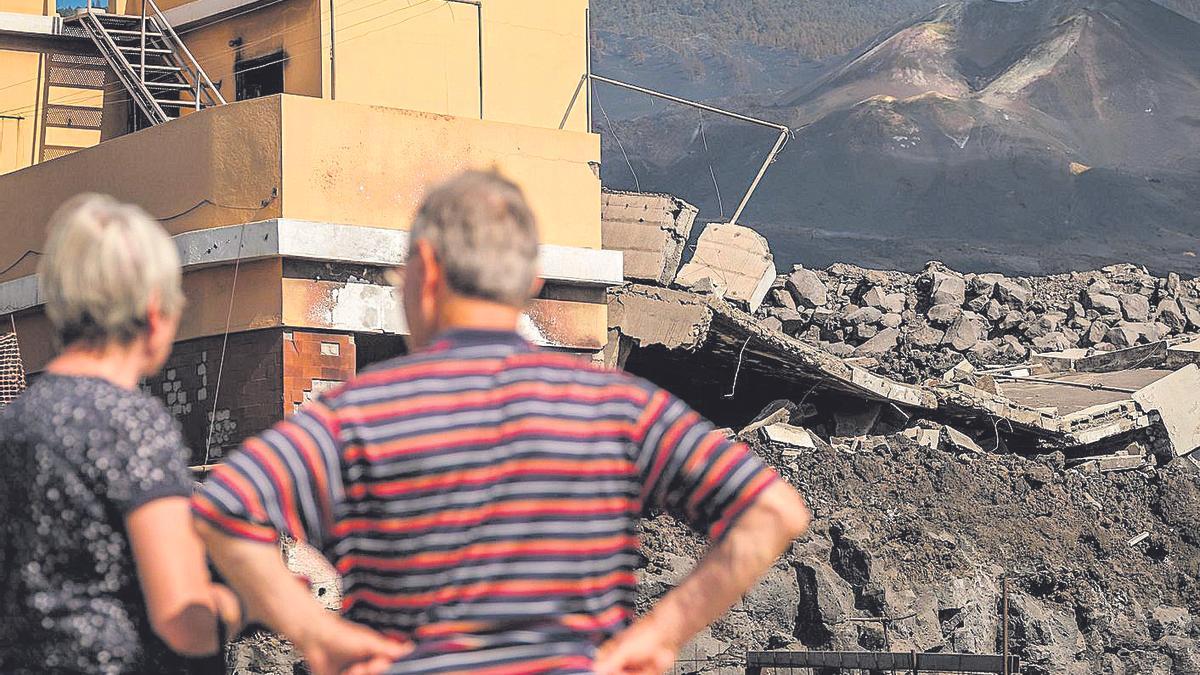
(730, 364)
(1174, 398)
(651, 230)
(735, 260)
(726, 358)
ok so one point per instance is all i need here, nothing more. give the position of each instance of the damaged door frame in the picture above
(784, 131)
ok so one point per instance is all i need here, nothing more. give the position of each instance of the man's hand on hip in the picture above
(641, 649)
(335, 646)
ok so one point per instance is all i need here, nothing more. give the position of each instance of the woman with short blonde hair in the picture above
(100, 568)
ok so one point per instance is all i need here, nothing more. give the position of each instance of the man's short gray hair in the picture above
(483, 235)
(103, 264)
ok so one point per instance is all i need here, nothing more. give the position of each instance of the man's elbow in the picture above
(191, 633)
(799, 518)
(789, 509)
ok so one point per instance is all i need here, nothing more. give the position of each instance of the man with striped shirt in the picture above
(480, 496)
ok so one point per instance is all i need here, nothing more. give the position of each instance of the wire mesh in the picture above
(12, 370)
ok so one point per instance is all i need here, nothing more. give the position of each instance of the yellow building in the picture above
(289, 199)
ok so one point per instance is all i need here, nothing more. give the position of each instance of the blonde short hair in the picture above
(103, 264)
(483, 234)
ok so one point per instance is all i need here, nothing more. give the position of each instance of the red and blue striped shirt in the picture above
(481, 497)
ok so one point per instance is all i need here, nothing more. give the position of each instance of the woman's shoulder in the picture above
(94, 405)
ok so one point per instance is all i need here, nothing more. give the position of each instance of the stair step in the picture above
(182, 86)
(149, 50)
(131, 33)
(159, 68)
(105, 17)
(175, 103)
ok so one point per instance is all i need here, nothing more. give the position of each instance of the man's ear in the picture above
(432, 277)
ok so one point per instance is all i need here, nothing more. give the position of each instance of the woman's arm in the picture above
(183, 603)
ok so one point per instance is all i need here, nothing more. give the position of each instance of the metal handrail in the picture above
(112, 47)
(165, 27)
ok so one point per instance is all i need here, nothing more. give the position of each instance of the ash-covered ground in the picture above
(922, 538)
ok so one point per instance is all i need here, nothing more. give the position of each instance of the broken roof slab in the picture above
(679, 320)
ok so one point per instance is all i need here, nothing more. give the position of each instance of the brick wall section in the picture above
(315, 362)
(250, 397)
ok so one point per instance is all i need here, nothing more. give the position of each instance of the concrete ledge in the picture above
(199, 12)
(332, 242)
(30, 25)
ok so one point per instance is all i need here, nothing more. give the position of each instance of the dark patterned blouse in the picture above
(77, 455)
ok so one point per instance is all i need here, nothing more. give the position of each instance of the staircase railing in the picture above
(194, 80)
(203, 83)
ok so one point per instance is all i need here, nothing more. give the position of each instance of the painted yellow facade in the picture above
(309, 159)
(45, 111)
(380, 99)
(516, 61)
(20, 89)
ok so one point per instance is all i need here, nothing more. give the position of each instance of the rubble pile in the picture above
(913, 327)
(951, 431)
(910, 544)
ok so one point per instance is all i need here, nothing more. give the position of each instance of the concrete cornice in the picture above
(199, 12)
(30, 25)
(332, 242)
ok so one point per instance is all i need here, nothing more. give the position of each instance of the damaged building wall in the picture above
(267, 374)
(250, 398)
(650, 230)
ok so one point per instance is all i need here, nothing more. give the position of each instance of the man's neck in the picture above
(117, 364)
(459, 313)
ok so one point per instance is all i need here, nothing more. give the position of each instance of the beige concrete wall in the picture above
(534, 58)
(21, 85)
(421, 56)
(371, 166)
(257, 299)
(293, 26)
(412, 55)
(425, 56)
(201, 171)
(257, 303)
(43, 7)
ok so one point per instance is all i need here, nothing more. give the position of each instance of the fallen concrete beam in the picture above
(737, 262)
(651, 230)
(958, 439)
(660, 316)
(1093, 361)
(1185, 353)
(1112, 463)
(1175, 399)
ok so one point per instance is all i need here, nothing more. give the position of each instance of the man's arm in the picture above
(274, 596)
(763, 531)
(286, 481)
(718, 486)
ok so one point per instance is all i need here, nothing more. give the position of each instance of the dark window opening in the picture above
(373, 348)
(260, 76)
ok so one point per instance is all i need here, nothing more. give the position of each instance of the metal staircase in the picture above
(155, 67)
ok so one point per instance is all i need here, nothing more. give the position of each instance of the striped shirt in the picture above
(481, 497)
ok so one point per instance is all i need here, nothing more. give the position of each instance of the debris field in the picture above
(953, 433)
